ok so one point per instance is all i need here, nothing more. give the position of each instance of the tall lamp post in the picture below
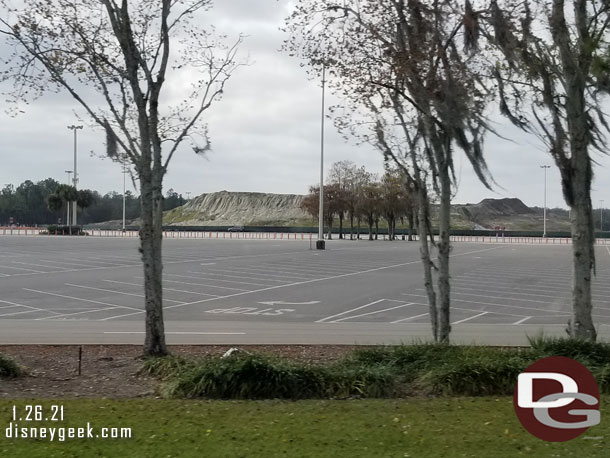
(125, 171)
(75, 179)
(545, 167)
(320, 244)
(601, 215)
(69, 172)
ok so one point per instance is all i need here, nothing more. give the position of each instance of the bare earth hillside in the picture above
(240, 208)
(261, 209)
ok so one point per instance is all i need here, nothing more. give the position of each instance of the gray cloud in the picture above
(264, 132)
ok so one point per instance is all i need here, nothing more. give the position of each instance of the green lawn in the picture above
(417, 428)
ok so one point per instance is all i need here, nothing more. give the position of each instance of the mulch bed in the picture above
(111, 371)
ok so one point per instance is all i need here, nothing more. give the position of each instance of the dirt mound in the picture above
(489, 208)
(239, 208)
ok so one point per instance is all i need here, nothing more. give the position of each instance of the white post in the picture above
(320, 243)
(75, 178)
(544, 167)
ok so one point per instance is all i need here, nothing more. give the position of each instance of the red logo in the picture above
(557, 399)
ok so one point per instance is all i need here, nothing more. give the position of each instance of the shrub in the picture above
(475, 377)
(589, 353)
(9, 368)
(167, 366)
(261, 377)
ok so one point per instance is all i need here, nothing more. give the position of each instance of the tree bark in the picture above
(426, 260)
(444, 249)
(340, 225)
(151, 238)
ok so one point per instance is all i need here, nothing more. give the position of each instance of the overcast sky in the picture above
(265, 133)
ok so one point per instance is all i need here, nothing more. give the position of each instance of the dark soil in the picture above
(112, 371)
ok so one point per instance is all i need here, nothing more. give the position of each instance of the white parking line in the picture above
(183, 333)
(71, 263)
(117, 292)
(473, 284)
(40, 265)
(216, 279)
(554, 312)
(523, 320)
(80, 299)
(265, 272)
(89, 259)
(503, 278)
(410, 318)
(470, 318)
(80, 313)
(203, 284)
(371, 313)
(19, 313)
(351, 310)
(453, 287)
(26, 306)
(247, 275)
(21, 268)
(315, 280)
(212, 275)
(497, 297)
(164, 288)
(309, 268)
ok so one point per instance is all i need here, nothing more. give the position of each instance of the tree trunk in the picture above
(581, 323)
(424, 251)
(341, 225)
(351, 226)
(376, 228)
(370, 222)
(411, 218)
(151, 238)
(444, 249)
(583, 238)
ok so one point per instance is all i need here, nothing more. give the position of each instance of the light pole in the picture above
(69, 172)
(125, 171)
(601, 215)
(75, 179)
(544, 167)
(320, 242)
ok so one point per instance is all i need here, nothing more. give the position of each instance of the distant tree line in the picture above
(44, 202)
(356, 197)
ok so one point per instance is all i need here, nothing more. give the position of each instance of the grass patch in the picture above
(9, 368)
(394, 371)
(424, 428)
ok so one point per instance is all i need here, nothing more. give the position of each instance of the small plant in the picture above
(9, 368)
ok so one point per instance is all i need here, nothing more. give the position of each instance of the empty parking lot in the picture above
(278, 289)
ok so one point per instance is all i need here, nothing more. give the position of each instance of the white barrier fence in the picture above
(493, 238)
(209, 235)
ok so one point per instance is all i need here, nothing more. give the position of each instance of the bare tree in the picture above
(115, 58)
(349, 178)
(552, 75)
(407, 53)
